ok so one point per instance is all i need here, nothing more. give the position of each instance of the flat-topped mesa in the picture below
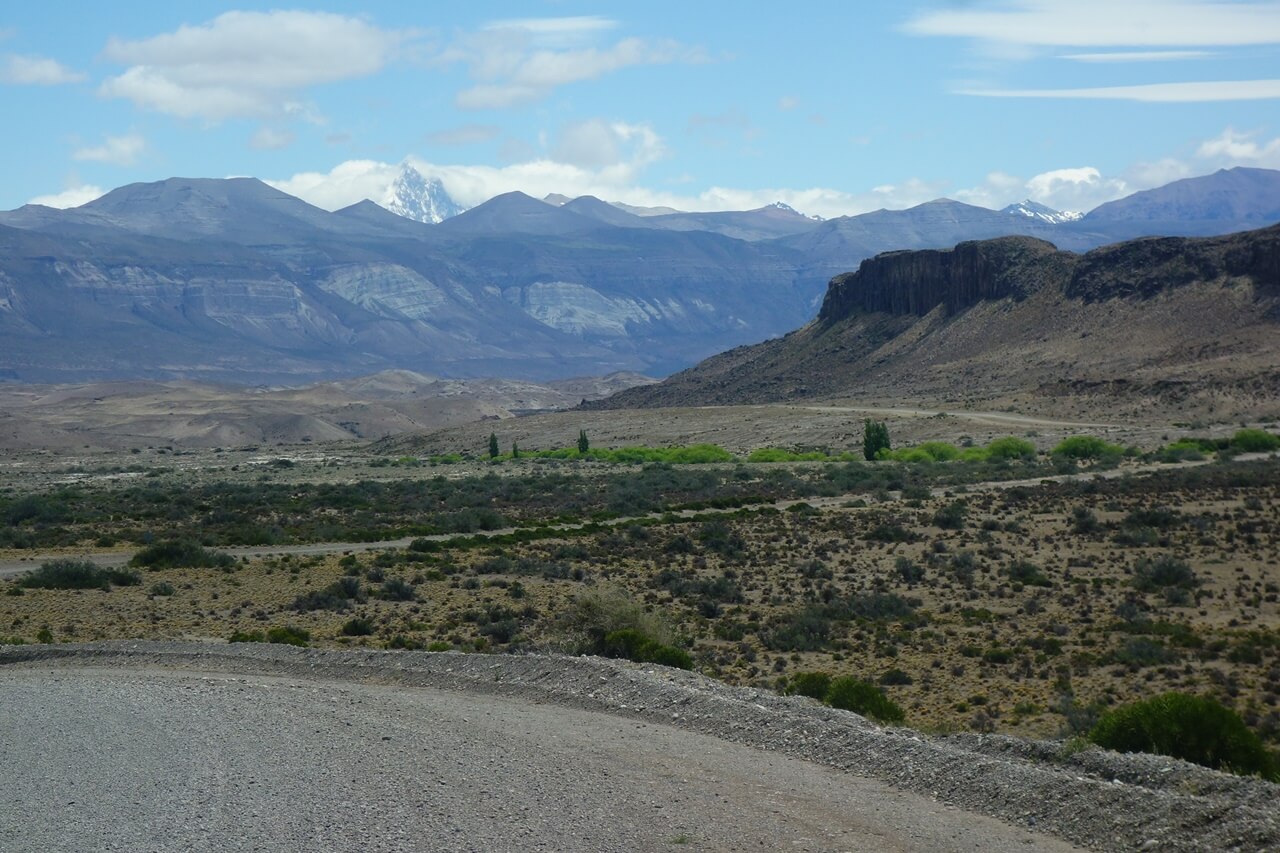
(1143, 268)
(916, 282)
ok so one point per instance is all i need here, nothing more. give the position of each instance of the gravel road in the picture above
(170, 746)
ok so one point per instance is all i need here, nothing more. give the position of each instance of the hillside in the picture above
(1176, 322)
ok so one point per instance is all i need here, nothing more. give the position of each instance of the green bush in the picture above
(1255, 441)
(1011, 448)
(850, 694)
(181, 553)
(1087, 447)
(1198, 729)
(1184, 450)
(598, 613)
(288, 635)
(1154, 575)
(359, 626)
(812, 684)
(76, 574)
(632, 644)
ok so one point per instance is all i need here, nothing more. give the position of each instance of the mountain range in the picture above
(232, 280)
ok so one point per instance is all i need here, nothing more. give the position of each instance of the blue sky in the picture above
(835, 108)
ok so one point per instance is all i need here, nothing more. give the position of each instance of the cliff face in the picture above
(1143, 268)
(900, 283)
(1019, 317)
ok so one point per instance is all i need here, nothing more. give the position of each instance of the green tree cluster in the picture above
(875, 437)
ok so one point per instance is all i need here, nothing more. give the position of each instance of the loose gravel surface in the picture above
(173, 746)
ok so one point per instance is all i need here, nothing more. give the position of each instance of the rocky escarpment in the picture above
(1143, 268)
(993, 322)
(917, 282)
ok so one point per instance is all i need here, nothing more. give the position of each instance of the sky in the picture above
(834, 108)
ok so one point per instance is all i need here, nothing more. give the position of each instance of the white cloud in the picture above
(1234, 148)
(1082, 188)
(271, 139)
(247, 64)
(467, 134)
(117, 150)
(1224, 90)
(73, 197)
(36, 71)
(355, 180)
(788, 102)
(598, 144)
(520, 61)
(1105, 23)
(1137, 56)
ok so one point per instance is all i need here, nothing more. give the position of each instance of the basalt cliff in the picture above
(1179, 322)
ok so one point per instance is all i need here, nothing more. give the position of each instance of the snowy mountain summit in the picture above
(417, 197)
(783, 207)
(1035, 210)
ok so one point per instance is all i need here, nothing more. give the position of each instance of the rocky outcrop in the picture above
(1015, 317)
(901, 283)
(1143, 268)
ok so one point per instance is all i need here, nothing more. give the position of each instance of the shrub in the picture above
(336, 596)
(951, 516)
(288, 635)
(1255, 441)
(812, 684)
(77, 574)
(1198, 729)
(1086, 447)
(600, 612)
(1154, 575)
(359, 626)
(805, 630)
(850, 694)
(895, 676)
(632, 644)
(1011, 448)
(1185, 450)
(181, 553)
(1028, 573)
(398, 589)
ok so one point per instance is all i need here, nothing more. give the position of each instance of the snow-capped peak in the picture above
(414, 196)
(783, 207)
(1036, 210)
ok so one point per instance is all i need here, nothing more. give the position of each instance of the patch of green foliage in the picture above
(848, 694)
(875, 439)
(76, 574)
(287, 635)
(633, 644)
(181, 553)
(1087, 447)
(1255, 441)
(1198, 729)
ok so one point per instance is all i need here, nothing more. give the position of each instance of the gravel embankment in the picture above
(1093, 799)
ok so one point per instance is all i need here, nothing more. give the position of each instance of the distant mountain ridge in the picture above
(235, 280)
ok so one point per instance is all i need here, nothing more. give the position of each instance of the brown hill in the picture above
(1189, 324)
